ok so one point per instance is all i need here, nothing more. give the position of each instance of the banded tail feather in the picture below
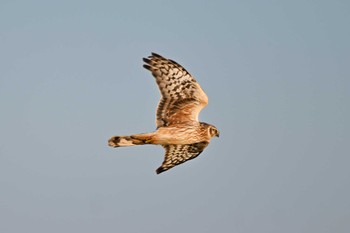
(133, 140)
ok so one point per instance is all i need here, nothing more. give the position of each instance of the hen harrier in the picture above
(178, 129)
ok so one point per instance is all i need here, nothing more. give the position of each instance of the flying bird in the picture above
(178, 130)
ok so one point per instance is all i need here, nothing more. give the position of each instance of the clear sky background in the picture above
(277, 74)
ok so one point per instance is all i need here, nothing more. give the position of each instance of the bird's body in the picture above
(180, 134)
(178, 129)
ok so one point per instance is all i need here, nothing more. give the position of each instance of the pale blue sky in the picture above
(277, 74)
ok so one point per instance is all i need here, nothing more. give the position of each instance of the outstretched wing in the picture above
(182, 97)
(177, 154)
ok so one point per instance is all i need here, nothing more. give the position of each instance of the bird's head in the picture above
(213, 131)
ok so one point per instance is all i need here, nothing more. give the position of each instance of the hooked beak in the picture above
(218, 134)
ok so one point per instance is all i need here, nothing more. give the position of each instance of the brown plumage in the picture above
(178, 129)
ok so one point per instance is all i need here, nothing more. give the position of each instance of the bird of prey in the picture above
(178, 130)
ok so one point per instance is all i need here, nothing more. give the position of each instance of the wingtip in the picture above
(156, 54)
(146, 60)
(160, 170)
(147, 67)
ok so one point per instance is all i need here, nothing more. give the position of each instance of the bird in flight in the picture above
(178, 130)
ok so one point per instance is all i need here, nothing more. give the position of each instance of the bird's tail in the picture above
(133, 140)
